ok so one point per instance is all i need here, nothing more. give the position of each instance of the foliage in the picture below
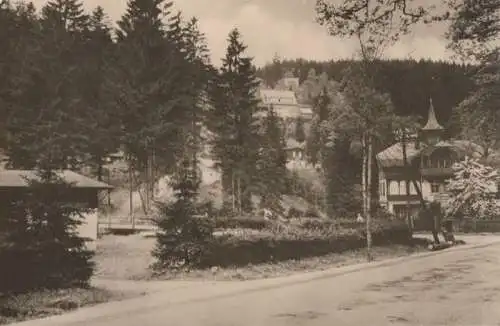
(479, 113)
(233, 121)
(473, 189)
(473, 26)
(271, 166)
(155, 97)
(300, 133)
(40, 247)
(40, 304)
(295, 242)
(182, 238)
(406, 81)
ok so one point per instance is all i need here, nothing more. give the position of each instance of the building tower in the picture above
(432, 132)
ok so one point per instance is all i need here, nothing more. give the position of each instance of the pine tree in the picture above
(316, 138)
(183, 239)
(300, 133)
(153, 89)
(46, 109)
(41, 248)
(271, 166)
(233, 120)
(103, 129)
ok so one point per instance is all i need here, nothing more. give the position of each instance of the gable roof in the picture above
(17, 179)
(393, 155)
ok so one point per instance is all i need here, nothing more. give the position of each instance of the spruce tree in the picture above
(233, 120)
(46, 111)
(300, 133)
(151, 85)
(271, 166)
(103, 129)
(183, 239)
(40, 247)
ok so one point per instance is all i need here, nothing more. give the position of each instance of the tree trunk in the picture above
(131, 194)
(363, 174)
(368, 199)
(239, 196)
(233, 193)
(423, 205)
(408, 173)
(99, 169)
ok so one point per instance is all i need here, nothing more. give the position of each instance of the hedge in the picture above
(307, 223)
(235, 251)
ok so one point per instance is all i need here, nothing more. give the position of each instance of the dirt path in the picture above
(456, 287)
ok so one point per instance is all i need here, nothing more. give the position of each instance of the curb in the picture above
(107, 311)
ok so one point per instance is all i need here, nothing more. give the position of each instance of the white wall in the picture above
(88, 229)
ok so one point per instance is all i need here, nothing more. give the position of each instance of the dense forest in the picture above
(409, 83)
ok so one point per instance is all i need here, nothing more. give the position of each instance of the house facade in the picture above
(431, 158)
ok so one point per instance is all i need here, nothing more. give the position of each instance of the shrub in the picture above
(294, 213)
(312, 212)
(312, 238)
(182, 239)
(239, 222)
(40, 247)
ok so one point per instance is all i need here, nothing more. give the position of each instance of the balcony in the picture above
(436, 172)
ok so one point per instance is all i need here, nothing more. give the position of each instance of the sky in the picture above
(283, 27)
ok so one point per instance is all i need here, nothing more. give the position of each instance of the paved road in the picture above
(456, 287)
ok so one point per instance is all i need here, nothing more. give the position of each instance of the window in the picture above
(402, 187)
(394, 188)
(435, 187)
(382, 188)
(413, 191)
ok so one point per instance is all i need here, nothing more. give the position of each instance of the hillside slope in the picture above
(210, 190)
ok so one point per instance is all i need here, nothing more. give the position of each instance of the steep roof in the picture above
(432, 123)
(17, 179)
(393, 155)
(462, 147)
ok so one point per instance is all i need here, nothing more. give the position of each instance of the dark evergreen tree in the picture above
(315, 138)
(300, 133)
(233, 120)
(100, 115)
(183, 239)
(46, 111)
(271, 167)
(154, 89)
(40, 248)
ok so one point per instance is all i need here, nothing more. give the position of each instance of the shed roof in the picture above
(17, 179)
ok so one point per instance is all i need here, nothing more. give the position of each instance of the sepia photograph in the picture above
(249, 162)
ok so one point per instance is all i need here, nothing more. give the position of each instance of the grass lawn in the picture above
(128, 258)
(16, 308)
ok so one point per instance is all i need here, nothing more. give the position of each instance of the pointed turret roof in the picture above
(432, 123)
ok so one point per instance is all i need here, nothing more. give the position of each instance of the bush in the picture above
(312, 238)
(312, 212)
(40, 247)
(294, 213)
(240, 223)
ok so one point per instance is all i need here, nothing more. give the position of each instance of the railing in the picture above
(478, 225)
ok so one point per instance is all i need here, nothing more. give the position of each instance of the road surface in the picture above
(456, 287)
